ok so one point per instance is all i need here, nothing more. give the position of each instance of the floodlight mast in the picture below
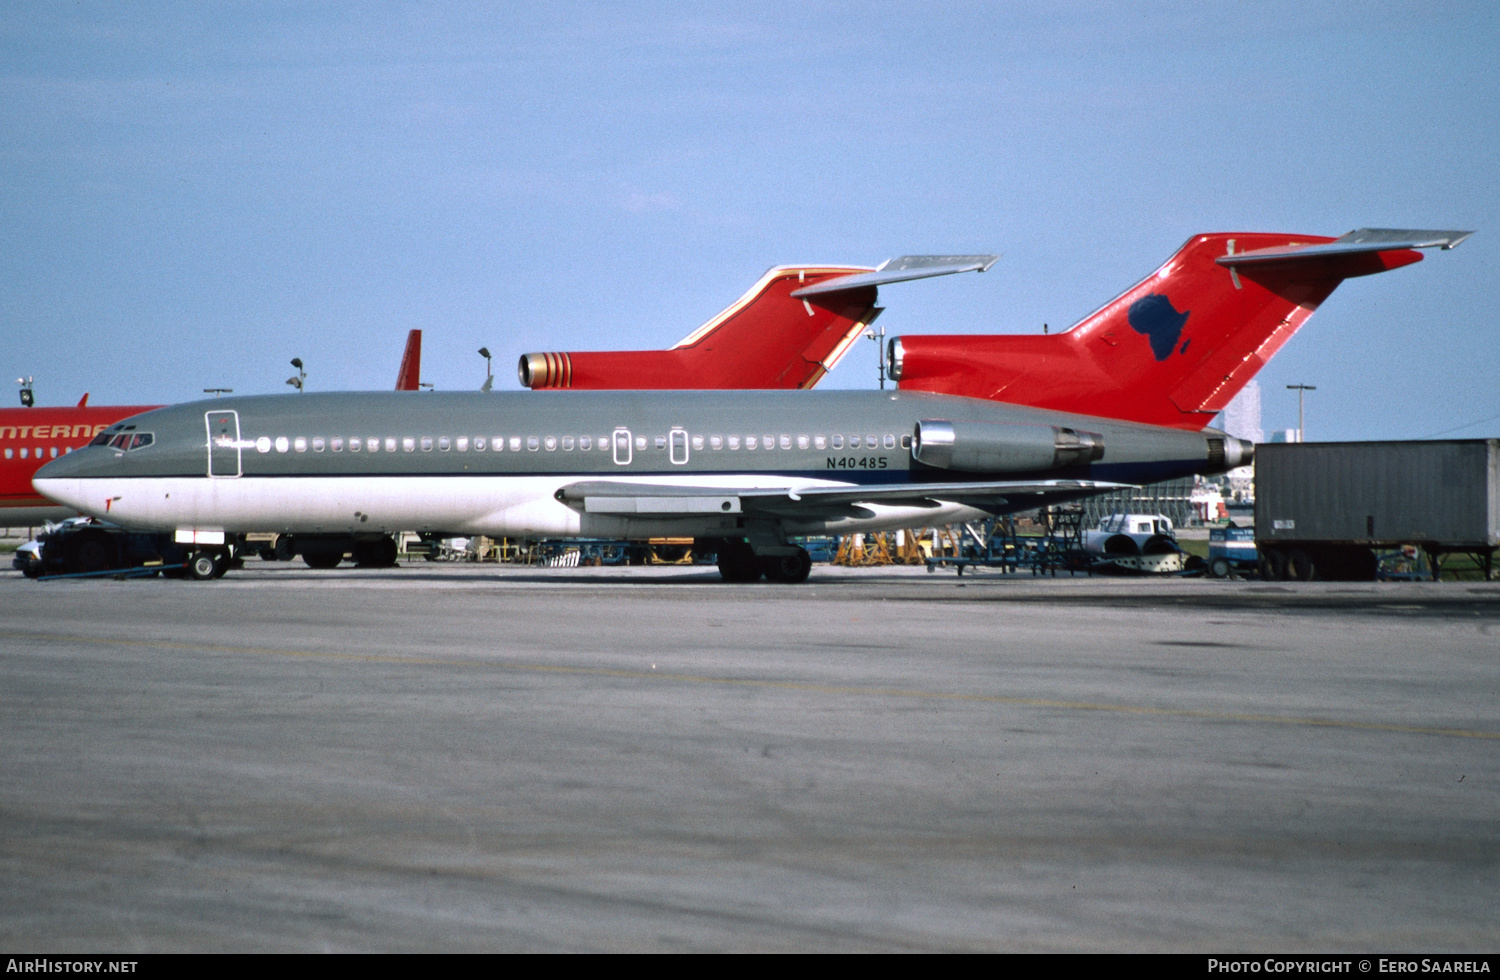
(300, 380)
(489, 376)
(1301, 390)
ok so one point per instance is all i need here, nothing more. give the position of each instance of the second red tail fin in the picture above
(788, 331)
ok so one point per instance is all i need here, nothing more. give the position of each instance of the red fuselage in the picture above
(30, 437)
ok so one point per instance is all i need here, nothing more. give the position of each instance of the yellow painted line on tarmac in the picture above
(803, 686)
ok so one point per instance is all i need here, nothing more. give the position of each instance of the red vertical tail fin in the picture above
(1176, 347)
(409, 377)
(788, 331)
(766, 339)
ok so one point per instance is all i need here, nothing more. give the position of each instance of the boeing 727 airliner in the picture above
(746, 470)
(742, 472)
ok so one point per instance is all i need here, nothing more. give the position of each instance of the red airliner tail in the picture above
(766, 339)
(409, 377)
(1176, 347)
(788, 331)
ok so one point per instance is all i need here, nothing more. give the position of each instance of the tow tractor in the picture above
(87, 546)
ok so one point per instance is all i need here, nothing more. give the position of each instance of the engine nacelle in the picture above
(545, 370)
(989, 447)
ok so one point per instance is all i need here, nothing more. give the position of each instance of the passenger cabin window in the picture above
(820, 442)
(533, 443)
(750, 442)
(716, 442)
(461, 444)
(515, 444)
(697, 443)
(480, 444)
(355, 445)
(786, 442)
(734, 442)
(890, 442)
(300, 444)
(390, 444)
(550, 444)
(318, 444)
(567, 444)
(372, 444)
(427, 444)
(337, 444)
(444, 444)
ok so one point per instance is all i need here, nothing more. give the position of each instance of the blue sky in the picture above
(191, 195)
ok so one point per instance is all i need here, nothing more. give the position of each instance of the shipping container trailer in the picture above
(1322, 509)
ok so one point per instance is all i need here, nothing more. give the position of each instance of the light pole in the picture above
(301, 375)
(1301, 390)
(27, 398)
(489, 376)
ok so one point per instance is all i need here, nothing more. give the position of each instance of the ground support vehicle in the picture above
(1231, 551)
(88, 546)
(1323, 509)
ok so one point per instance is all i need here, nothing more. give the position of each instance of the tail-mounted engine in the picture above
(988, 447)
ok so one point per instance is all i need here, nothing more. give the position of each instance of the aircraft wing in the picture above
(659, 500)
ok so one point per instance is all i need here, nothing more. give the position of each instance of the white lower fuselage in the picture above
(497, 506)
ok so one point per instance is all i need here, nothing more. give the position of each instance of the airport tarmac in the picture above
(462, 757)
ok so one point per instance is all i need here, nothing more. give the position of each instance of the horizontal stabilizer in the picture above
(621, 497)
(904, 269)
(1362, 240)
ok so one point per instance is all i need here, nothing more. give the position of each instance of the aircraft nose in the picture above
(79, 463)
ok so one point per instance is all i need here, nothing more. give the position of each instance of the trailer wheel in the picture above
(1219, 568)
(1300, 566)
(1272, 565)
(204, 565)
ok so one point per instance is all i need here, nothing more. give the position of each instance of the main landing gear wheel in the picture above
(788, 569)
(737, 563)
(322, 559)
(375, 554)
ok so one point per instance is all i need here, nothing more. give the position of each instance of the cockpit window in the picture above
(125, 441)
